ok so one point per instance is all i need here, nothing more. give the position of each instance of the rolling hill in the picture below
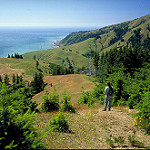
(78, 46)
(111, 36)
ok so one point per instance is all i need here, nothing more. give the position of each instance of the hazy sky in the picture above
(70, 13)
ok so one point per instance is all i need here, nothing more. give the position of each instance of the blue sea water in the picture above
(22, 40)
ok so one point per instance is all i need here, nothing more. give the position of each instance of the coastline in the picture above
(55, 43)
(23, 40)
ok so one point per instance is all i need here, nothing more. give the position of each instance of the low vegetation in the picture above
(17, 118)
(59, 123)
(127, 67)
(128, 71)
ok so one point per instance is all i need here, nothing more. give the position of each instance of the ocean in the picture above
(22, 40)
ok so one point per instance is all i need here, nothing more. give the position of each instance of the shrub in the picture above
(101, 98)
(133, 100)
(18, 98)
(110, 142)
(17, 131)
(51, 102)
(119, 140)
(59, 123)
(143, 116)
(91, 100)
(87, 98)
(66, 105)
(84, 98)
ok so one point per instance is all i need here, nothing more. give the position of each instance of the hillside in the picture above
(71, 84)
(89, 126)
(79, 46)
(60, 57)
(22, 66)
(110, 36)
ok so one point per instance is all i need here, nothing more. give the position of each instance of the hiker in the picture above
(108, 96)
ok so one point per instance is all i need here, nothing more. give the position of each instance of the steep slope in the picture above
(110, 36)
(78, 47)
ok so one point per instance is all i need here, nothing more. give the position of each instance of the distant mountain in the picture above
(129, 32)
(76, 48)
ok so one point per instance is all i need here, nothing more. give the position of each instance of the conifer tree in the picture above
(13, 78)
(17, 79)
(12, 56)
(20, 79)
(37, 83)
(6, 79)
(37, 64)
(8, 56)
(96, 61)
(1, 79)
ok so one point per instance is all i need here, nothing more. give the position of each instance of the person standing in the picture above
(108, 96)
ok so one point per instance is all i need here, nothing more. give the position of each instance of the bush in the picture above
(66, 105)
(101, 98)
(84, 98)
(143, 116)
(17, 131)
(59, 123)
(133, 100)
(18, 98)
(51, 102)
(87, 98)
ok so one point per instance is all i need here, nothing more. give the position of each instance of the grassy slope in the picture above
(74, 51)
(28, 68)
(89, 126)
(108, 34)
(57, 56)
(71, 84)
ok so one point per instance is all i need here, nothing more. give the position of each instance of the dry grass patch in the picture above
(72, 84)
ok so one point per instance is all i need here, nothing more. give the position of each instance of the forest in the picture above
(128, 70)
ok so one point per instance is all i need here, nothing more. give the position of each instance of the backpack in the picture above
(110, 92)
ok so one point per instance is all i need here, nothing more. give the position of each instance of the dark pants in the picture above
(107, 100)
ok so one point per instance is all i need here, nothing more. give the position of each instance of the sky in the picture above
(70, 13)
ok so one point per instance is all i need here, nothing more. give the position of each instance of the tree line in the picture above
(128, 69)
(16, 55)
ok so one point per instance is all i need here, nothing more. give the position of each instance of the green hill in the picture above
(25, 66)
(109, 36)
(78, 46)
(59, 56)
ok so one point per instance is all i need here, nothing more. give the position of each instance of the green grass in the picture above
(29, 66)
(75, 51)
(57, 56)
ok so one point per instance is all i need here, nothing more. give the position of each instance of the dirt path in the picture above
(91, 126)
(117, 123)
